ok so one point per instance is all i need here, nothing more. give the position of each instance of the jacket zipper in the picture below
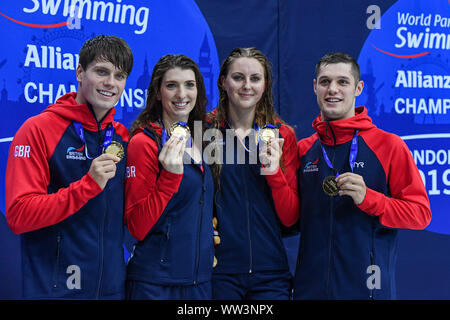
(166, 244)
(58, 247)
(248, 221)
(199, 226)
(330, 247)
(372, 260)
(101, 227)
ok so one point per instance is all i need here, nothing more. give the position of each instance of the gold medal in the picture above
(330, 187)
(266, 134)
(179, 130)
(115, 148)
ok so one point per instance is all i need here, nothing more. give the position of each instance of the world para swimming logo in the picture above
(405, 65)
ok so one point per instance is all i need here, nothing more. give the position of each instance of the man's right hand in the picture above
(103, 168)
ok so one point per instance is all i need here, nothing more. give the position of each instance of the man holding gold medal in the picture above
(358, 185)
(65, 195)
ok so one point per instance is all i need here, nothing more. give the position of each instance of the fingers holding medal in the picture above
(348, 183)
(116, 149)
(270, 150)
(352, 185)
(171, 155)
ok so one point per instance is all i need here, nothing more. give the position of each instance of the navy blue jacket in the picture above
(170, 215)
(349, 251)
(71, 230)
(248, 219)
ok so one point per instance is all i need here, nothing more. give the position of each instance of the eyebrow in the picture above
(338, 77)
(176, 81)
(253, 74)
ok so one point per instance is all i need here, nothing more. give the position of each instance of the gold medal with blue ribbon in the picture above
(267, 133)
(179, 129)
(115, 148)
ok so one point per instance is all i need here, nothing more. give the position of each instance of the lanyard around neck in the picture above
(352, 156)
(256, 130)
(106, 142)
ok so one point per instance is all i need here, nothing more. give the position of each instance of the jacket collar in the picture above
(341, 131)
(67, 107)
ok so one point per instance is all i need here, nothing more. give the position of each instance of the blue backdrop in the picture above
(395, 42)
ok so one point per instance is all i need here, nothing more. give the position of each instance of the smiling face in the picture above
(336, 90)
(244, 83)
(100, 85)
(178, 94)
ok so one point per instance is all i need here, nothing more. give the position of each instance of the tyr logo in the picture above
(359, 164)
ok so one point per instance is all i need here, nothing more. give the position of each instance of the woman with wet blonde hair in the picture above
(253, 198)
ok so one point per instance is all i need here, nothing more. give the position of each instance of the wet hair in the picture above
(153, 110)
(107, 48)
(340, 57)
(265, 110)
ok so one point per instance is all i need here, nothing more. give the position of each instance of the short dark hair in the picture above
(340, 57)
(107, 48)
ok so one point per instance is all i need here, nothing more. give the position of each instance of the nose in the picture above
(332, 87)
(109, 80)
(247, 84)
(181, 92)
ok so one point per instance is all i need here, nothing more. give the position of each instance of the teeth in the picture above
(106, 93)
(333, 100)
(180, 104)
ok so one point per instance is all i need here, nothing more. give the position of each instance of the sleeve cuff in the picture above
(93, 187)
(373, 203)
(275, 177)
(169, 182)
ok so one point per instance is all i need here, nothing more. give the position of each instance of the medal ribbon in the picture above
(106, 142)
(256, 128)
(352, 157)
(164, 133)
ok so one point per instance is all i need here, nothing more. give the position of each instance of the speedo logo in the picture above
(75, 154)
(311, 166)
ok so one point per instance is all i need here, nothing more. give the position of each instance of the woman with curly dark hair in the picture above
(169, 189)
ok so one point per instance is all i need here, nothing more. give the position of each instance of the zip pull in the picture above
(203, 194)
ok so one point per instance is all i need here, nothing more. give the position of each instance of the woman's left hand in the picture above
(270, 153)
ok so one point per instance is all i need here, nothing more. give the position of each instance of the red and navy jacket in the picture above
(170, 214)
(349, 251)
(252, 207)
(71, 230)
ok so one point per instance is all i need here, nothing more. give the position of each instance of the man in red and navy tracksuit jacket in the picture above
(358, 185)
(63, 194)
